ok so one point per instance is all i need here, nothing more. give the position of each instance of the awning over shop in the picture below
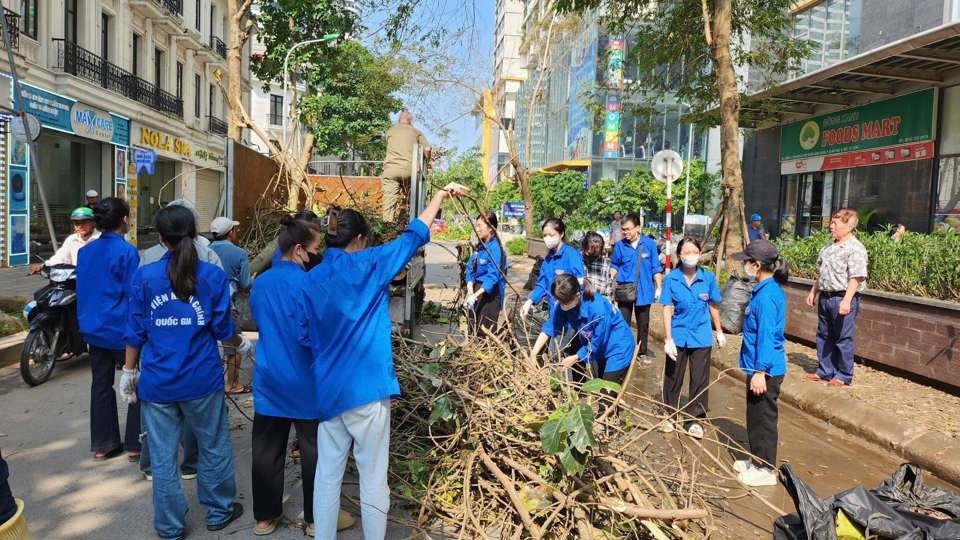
(925, 60)
(560, 166)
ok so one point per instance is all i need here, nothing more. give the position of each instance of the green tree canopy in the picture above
(556, 195)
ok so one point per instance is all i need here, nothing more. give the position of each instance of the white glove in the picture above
(128, 385)
(525, 309)
(721, 340)
(670, 348)
(470, 302)
(245, 345)
(656, 294)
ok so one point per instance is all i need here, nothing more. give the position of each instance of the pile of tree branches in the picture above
(487, 444)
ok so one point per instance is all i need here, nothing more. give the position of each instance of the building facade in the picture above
(509, 72)
(126, 96)
(871, 122)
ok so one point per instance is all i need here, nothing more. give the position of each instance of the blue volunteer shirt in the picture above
(235, 263)
(104, 270)
(347, 316)
(283, 376)
(690, 325)
(566, 260)
(603, 332)
(754, 234)
(763, 323)
(489, 261)
(624, 260)
(179, 360)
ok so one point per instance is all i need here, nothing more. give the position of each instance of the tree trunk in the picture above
(239, 32)
(729, 130)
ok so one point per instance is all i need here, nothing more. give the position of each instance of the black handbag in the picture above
(626, 293)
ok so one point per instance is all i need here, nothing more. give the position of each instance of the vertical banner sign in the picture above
(18, 195)
(583, 76)
(616, 51)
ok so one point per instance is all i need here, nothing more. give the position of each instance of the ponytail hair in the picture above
(296, 231)
(108, 214)
(566, 287)
(345, 225)
(178, 229)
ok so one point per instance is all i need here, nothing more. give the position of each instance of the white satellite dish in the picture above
(666, 165)
(34, 124)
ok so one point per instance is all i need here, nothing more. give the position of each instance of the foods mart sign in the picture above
(898, 121)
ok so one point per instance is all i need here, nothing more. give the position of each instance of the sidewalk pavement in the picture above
(917, 422)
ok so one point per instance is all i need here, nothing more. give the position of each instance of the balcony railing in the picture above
(13, 23)
(275, 119)
(77, 61)
(174, 7)
(217, 125)
(218, 46)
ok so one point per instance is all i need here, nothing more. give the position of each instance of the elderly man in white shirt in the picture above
(84, 232)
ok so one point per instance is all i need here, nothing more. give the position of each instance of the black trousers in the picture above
(270, 435)
(485, 313)
(579, 375)
(643, 322)
(762, 422)
(104, 423)
(673, 371)
(8, 505)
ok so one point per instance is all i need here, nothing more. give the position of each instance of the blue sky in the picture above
(470, 26)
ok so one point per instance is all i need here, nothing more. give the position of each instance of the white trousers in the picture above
(367, 427)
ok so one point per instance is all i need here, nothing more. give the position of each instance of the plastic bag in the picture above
(736, 296)
(244, 315)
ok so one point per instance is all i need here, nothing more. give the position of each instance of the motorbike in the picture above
(54, 334)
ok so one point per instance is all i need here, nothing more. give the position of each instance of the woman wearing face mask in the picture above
(104, 269)
(486, 276)
(689, 301)
(605, 340)
(561, 259)
(283, 393)
(763, 359)
(347, 319)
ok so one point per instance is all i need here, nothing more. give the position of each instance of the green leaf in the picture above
(442, 410)
(555, 382)
(572, 461)
(595, 386)
(579, 424)
(553, 434)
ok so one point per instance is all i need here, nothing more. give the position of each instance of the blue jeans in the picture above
(835, 338)
(187, 441)
(206, 417)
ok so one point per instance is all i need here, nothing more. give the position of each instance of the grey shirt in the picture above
(616, 233)
(204, 253)
(840, 262)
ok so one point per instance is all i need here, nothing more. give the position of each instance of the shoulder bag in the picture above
(626, 293)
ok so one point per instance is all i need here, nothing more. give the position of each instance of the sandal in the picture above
(836, 383)
(271, 526)
(245, 389)
(133, 457)
(813, 378)
(103, 456)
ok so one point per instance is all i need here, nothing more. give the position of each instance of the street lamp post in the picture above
(286, 76)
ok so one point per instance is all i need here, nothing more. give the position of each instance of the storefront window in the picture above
(832, 27)
(788, 214)
(948, 198)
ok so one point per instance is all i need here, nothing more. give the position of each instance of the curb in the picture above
(929, 449)
(10, 347)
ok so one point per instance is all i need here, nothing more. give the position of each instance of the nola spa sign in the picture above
(898, 121)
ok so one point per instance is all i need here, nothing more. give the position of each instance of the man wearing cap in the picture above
(755, 230)
(237, 267)
(92, 198)
(84, 232)
(204, 253)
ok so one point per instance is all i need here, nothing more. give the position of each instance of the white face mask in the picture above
(551, 241)
(749, 271)
(691, 261)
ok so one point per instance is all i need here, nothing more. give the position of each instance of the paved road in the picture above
(44, 434)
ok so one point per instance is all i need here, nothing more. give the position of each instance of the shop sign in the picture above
(864, 158)
(583, 74)
(514, 209)
(898, 121)
(615, 56)
(164, 142)
(144, 160)
(91, 122)
(58, 112)
(611, 128)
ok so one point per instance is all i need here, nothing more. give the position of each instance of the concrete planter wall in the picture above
(536, 248)
(914, 334)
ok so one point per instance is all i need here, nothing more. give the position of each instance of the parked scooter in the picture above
(54, 333)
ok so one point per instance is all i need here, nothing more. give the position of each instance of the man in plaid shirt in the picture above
(596, 264)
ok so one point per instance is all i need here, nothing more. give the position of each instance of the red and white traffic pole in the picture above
(668, 220)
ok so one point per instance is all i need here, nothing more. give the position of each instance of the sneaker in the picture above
(188, 476)
(695, 430)
(236, 511)
(741, 465)
(148, 477)
(758, 476)
(666, 427)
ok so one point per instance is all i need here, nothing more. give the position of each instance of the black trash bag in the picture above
(533, 275)
(526, 330)
(885, 513)
(244, 315)
(736, 296)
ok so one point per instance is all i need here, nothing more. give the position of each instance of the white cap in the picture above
(189, 206)
(92, 193)
(222, 225)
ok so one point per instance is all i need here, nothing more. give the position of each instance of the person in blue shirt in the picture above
(104, 269)
(690, 297)
(347, 318)
(755, 230)
(271, 253)
(561, 259)
(763, 359)
(605, 342)
(635, 265)
(237, 266)
(486, 277)
(179, 307)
